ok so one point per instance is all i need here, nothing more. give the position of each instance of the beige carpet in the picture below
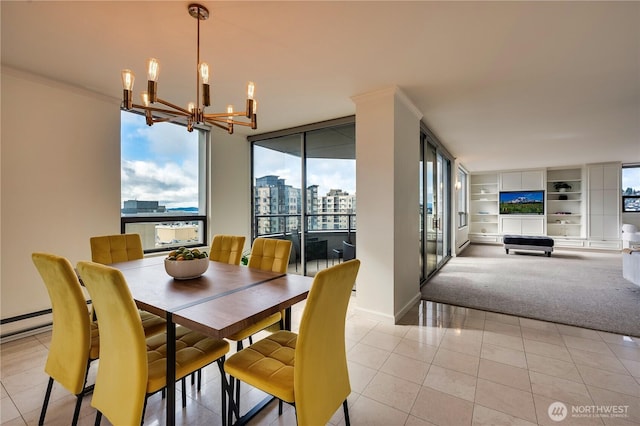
(582, 288)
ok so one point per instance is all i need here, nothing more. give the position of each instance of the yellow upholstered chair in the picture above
(74, 340)
(267, 254)
(227, 249)
(307, 369)
(132, 367)
(108, 249)
(270, 254)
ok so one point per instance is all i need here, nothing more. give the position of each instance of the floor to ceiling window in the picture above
(320, 219)
(435, 207)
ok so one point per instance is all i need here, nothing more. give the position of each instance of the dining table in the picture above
(223, 300)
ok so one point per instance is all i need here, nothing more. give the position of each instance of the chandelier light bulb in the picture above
(191, 106)
(204, 72)
(251, 87)
(153, 69)
(128, 77)
(144, 97)
(230, 112)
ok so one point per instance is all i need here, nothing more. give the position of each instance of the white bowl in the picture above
(186, 269)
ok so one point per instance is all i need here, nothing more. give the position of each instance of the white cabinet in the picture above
(525, 180)
(604, 203)
(483, 224)
(522, 225)
(565, 203)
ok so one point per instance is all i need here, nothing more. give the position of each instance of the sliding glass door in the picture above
(304, 190)
(435, 208)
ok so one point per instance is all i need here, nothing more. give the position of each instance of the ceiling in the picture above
(504, 85)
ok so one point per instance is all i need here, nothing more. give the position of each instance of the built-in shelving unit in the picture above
(585, 213)
(565, 203)
(483, 193)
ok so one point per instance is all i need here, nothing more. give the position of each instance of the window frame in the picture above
(463, 199)
(203, 194)
(309, 220)
(624, 197)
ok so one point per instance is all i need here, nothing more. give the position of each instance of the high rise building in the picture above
(278, 207)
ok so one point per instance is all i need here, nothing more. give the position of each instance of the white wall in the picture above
(60, 180)
(387, 176)
(230, 197)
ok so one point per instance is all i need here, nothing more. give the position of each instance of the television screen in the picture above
(522, 202)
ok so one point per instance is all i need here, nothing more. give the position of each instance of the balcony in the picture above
(320, 247)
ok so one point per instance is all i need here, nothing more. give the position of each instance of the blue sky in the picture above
(326, 173)
(159, 163)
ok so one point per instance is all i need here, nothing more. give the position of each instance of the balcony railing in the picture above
(320, 244)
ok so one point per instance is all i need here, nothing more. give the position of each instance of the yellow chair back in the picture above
(270, 254)
(121, 382)
(321, 377)
(69, 351)
(227, 249)
(110, 249)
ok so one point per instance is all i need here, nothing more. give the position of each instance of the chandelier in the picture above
(194, 112)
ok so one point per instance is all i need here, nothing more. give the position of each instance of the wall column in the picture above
(387, 186)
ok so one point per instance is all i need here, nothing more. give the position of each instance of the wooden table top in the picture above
(225, 299)
(222, 316)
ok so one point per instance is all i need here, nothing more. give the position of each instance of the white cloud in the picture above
(170, 184)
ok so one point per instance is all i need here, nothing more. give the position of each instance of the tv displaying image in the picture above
(522, 202)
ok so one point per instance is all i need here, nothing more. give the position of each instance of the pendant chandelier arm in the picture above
(225, 120)
(224, 115)
(182, 112)
(213, 123)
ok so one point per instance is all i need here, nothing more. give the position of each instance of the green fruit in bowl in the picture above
(184, 253)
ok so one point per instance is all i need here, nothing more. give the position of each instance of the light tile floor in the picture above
(443, 365)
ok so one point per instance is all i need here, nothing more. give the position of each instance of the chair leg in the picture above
(98, 418)
(237, 399)
(199, 380)
(346, 413)
(45, 403)
(234, 405)
(184, 392)
(279, 407)
(76, 412)
(144, 409)
(223, 389)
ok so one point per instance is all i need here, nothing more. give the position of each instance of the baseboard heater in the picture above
(27, 329)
